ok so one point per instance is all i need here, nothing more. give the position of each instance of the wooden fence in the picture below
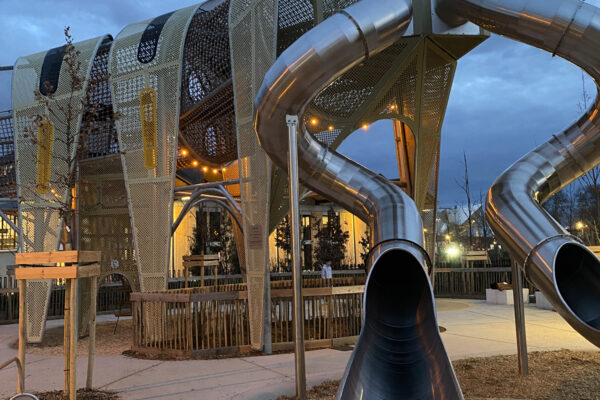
(469, 282)
(214, 320)
(110, 298)
(177, 281)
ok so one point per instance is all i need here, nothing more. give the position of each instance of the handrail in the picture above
(19, 371)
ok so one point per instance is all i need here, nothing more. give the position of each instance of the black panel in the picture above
(51, 70)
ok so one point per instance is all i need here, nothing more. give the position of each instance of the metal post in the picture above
(292, 123)
(517, 283)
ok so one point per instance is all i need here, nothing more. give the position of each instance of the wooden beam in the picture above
(73, 340)
(53, 257)
(71, 272)
(92, 332)
(22, 338)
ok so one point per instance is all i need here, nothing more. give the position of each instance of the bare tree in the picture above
(482, 222)
(73, 139)
(465, 187)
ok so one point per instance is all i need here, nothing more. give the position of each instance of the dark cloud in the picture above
(506, 98)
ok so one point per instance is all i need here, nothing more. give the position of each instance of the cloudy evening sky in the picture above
(506, 99)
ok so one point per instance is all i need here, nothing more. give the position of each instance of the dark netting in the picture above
(207, 119)
(295, 18)
(8, 186)
(98, 122)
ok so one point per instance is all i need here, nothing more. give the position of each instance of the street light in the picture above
(579, 225)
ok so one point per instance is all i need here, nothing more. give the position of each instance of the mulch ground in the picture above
(82, 394)
(108, 342)
(554, 375)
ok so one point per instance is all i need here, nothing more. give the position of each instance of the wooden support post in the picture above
(92, 332)
(185, 273)
(66, 340)
(73, 340)
(22, 337)
(215, 273)
(202, 275)
(517, 283)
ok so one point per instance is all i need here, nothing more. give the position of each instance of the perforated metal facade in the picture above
(39, 213)
(253, 31)
(147, 56)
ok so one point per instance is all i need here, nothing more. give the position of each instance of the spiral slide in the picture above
(399, 354)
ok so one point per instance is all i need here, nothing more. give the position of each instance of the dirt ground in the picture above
(554, 375)
(107, 343)
(82, 394)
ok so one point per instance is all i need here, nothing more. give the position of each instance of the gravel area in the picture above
(108, 342)
(554, 375)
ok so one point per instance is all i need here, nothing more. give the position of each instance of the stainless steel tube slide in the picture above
(399, 354)
(559, 264)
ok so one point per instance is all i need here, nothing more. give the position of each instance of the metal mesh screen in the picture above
(98, 125)
(253, 27)
(150, 190)
(39, 219)
(207, 123)
(8, 182)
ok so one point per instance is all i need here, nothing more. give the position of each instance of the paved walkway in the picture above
(474, 328)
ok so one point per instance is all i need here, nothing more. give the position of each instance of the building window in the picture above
(8, 237)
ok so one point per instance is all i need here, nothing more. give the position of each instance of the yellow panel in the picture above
(45, 141)
(148, 118)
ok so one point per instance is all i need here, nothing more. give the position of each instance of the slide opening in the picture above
(577, 274)
(400, 354)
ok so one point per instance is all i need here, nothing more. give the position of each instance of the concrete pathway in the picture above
(474, 328)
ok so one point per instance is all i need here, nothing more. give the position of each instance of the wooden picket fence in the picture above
(215, 320)
(469, 282)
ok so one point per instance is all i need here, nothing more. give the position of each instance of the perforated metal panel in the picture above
(207, 120)
(148, 55)
(39, 216)
(253, 29)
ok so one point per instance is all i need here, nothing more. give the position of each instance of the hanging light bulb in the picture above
(195, 163)
(314, 121)
(365, 126)
(205, 169)
(184, 152)
(330, 127)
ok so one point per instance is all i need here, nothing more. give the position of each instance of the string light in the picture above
(314, 121)
(393, 107)
(184, 152)
(205, 169)
(330, 127)
(195, 163)
(365, 126)
(215, 171)
(223, 169)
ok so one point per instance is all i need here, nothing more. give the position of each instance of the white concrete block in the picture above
(495, 296)
(542, 302)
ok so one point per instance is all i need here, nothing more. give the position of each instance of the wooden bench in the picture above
(476, 255)
(202, 261)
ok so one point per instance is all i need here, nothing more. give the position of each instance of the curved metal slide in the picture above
(558, 263)
(399, 354)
